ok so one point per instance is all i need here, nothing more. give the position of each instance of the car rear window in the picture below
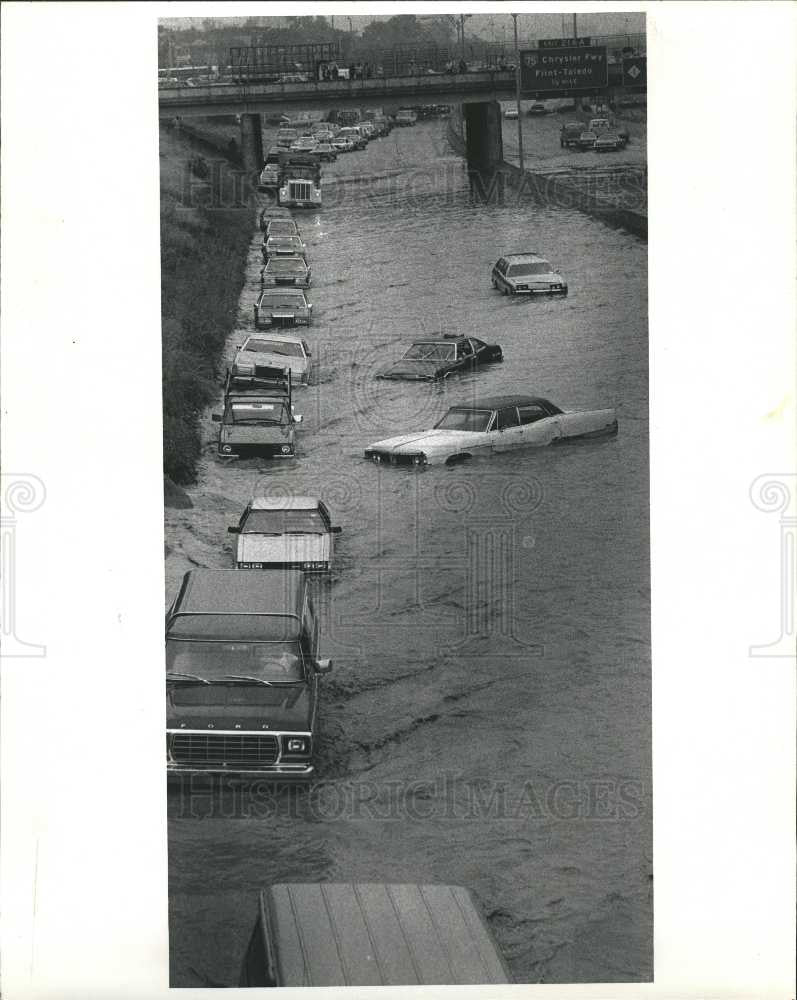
(430, 352)
(517, 270)
(283, 522)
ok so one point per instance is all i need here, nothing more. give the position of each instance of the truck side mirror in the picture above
(216, 418)
(323, 666)
(233, 529)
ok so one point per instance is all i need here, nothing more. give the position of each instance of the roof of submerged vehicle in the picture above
(277, 338)
(284, 503)
(498, 402)
(240, 591)
(530, 255)
(369, 934)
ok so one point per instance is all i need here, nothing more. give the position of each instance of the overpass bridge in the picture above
(385, 92)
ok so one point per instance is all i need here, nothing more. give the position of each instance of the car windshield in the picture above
(283, 522)
(216, 660)
(541, 267)
(284, 241)
(460, 418)
(285, 266)
(256, 412)
(287, 350)
(283, 298)
(430, 352)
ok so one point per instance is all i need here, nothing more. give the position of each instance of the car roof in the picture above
(371, 934)
(532, 256)
(240, 591)
(498, 402)
(284, 503)
(442, 340)
(282, 338)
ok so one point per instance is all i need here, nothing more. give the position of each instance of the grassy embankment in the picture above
(203, 250)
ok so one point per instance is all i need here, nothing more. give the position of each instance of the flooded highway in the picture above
(487, 719)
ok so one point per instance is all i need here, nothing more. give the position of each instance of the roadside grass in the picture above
(203, 253)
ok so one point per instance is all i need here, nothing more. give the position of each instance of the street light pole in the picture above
(517, 97)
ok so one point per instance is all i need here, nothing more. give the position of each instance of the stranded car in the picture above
(538, 109)
(275, 351)
(258, 417)
(283, 246)
(493, 424)
(526, 274)
(431, 359)
(370, 934)
(607, 142)
(283, 226)
(587, 139)
(282, 306)
(326, 152)
(510, 113)
(570, 134)
(284, 533)
(286, 271)
(242, 675)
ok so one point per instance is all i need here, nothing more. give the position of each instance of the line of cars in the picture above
(243, 659)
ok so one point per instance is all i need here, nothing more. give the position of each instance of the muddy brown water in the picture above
(487, 720)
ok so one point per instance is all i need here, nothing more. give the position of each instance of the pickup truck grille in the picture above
(300, 190)
(207, 749)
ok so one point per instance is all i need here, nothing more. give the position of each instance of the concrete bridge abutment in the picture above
(484, 146)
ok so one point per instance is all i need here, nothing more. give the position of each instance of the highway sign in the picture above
(565, 43)
(564, 69)
(635, 71)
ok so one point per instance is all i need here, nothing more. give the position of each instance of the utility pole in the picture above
(517, 97)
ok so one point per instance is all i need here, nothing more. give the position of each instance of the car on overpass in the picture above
(510, 112)
(526, 274)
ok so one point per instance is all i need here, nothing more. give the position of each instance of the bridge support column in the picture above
(251, 143)
(484, 147)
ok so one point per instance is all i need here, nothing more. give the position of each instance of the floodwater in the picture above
(487, 720)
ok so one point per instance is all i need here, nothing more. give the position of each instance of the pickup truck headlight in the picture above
(296, 745)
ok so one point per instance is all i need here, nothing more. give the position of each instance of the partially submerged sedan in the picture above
(493, 424)
(285, 533)
(282, 306)
(286, 271)
(434, 359)
(281, 226)
(276, 350)
(527, 274)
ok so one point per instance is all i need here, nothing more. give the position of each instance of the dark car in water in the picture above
(569, 134)
(436, 358)
(370, 934)
(242, 674)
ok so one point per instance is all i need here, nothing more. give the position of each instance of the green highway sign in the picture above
(564, 69)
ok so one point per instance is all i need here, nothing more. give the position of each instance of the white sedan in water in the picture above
(493, 424)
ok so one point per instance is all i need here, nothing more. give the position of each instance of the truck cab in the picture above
(242, 675)
(299, 181)
(258, 417)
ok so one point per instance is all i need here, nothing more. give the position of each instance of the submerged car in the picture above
(343, 145)
(242, 675)
(282, 306)
(276, 350)
(587, 139)
(569, 134)
(538, 109)
(492, 424)
(283, 226)
(285, 533)
(370, 934)
(326, 152)
(286, 271)
(283, 246)
(432, 359)
(258, 417)
(526, 274)
(607, 142)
